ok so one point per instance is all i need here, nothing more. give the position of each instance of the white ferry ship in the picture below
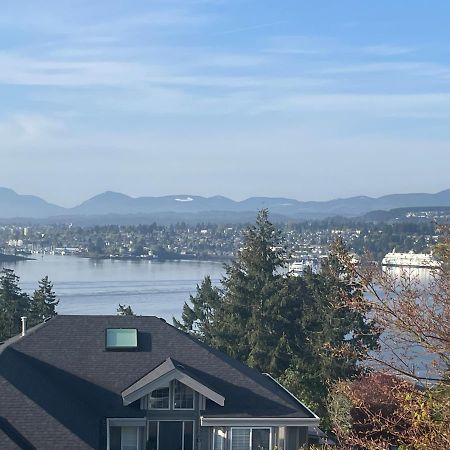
(409, 259)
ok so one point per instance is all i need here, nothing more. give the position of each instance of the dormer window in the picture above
(159, 398)
(183, 396)
(121, 338)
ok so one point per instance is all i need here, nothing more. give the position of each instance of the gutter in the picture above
(259, 421)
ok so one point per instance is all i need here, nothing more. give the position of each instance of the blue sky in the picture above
(305, 99)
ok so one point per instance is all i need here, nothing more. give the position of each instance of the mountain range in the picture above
(177, 207)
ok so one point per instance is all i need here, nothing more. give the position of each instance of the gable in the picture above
(161, 376)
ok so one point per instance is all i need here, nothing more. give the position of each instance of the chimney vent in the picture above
(24, 325)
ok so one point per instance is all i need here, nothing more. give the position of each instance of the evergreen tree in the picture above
(43, 302)
(307, 331)
(124, 310)
(335, 331)
(198, 320)
(13, 304)
(245, 324)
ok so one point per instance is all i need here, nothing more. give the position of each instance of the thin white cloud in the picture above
(27, 128)
(406, 67)
(388, 50)
(301, 45)
(373, 105)
(244, 29)
(25, 70)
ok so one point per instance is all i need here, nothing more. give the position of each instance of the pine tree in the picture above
(13, 304)
(43, 302)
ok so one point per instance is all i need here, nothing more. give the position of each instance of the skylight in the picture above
(121, 338)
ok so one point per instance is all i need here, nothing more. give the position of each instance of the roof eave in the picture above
(259, 421)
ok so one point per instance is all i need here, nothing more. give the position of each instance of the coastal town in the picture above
(307, 242)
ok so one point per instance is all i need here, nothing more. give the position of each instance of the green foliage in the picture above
(302, 330)
(124, 310)
(198, 319)
(247, 322)
(336, 333)
(43, 302)
(13, 304)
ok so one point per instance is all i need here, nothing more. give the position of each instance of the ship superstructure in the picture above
(410, 259)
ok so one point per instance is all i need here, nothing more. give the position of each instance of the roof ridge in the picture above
(18, 337)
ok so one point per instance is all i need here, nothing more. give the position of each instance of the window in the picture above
(250, 439)
(123, 438)
(129, 439)
(121, 338)
(183, 396)
(240, 438)
(170, 435)
(159, 399)
(152, 438)
(188, 435)
(114, 438)
(260, 439)
(219, 439)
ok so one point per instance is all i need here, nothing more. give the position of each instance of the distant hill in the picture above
(116, 207)
(15, 205)
(412, 214)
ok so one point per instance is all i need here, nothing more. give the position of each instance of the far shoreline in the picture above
(179, 258)
(4, 258)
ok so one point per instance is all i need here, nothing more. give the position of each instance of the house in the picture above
(137, 383)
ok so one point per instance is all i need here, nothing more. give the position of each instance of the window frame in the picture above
(251, 435)
(148, 408)
(120, 422)
(137, 436)
(174, 382)
(194, 430)
(122, 347)
(224, 441)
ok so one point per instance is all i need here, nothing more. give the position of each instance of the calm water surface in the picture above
(86, 286)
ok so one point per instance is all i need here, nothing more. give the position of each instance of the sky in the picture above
(310, 100)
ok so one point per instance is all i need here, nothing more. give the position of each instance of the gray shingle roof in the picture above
(58, 383)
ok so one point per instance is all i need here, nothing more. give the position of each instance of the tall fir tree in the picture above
(302, 330)
(251, 287)
(13, 304)
(198, 320)
(43, 302)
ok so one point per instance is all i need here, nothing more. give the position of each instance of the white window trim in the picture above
(182, 430)
(251, 435)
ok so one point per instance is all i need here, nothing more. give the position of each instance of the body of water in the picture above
(86, 286)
